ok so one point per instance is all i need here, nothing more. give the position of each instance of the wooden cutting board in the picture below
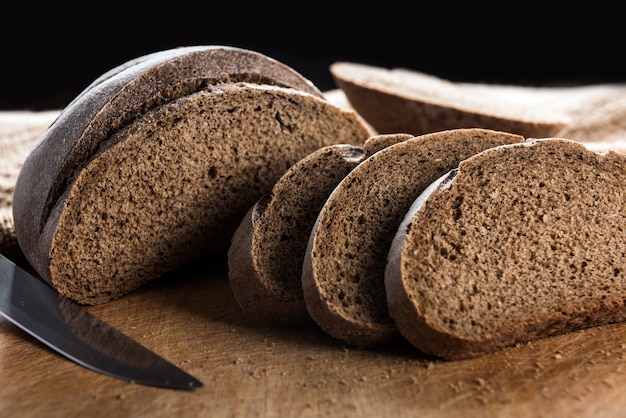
(252, 369)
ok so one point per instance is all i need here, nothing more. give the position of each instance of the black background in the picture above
(51, 53)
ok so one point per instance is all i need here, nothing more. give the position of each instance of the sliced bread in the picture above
(267, 250)
(417, 103)
(344, 265)
(521, 242)
(405, 100)
(156, 163)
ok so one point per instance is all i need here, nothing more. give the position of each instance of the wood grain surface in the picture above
(251, 369)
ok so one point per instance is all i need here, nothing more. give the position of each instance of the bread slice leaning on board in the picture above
(520, 242)
(344, 264)
(404, 100)
(158, 160)
(267, 250)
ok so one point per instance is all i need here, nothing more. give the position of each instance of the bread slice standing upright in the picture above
(521, 242)
(156, 163)
(343, 270)
(267, 250)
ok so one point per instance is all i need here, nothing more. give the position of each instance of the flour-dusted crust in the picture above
(267, 250)
(188, 112)
(521, 242)
(343, 270)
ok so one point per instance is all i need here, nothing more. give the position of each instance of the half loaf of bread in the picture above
(156, 163)
(417, 103)
(267, 250)
(521, 242)
(344, 265)
(403, 100)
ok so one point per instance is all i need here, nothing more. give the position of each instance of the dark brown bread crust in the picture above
(208, 63)
(113, 101)
(343, 270)
(148, 97)
(262, 272)
(172, 195)
(521, 242)
(267, 250)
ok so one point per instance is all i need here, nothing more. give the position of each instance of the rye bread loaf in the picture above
(420, 103)
(156, 163)
(267, 250)
(521, 242)
(344, 265)
(180, 68)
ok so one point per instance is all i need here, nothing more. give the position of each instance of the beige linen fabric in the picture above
(19, 131)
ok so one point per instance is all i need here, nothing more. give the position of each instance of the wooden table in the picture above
(252, 369)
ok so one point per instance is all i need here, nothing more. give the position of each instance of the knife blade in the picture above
(72, 331)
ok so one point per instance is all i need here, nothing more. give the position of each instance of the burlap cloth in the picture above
(19, 131)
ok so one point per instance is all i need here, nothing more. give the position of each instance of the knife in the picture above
(72, 331)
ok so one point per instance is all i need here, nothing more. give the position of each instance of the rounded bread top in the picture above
(397, 99)
(516, 244)
(113, 101)
(344, 263)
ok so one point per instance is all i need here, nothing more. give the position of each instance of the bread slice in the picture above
(344, 265)
(521, 242)
(157, 163)
(267, 250)
(417, 103)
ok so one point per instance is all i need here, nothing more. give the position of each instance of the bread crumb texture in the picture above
(175, 183)
(526, 241)
(343, 278)
(295, 206)
(267, 250)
